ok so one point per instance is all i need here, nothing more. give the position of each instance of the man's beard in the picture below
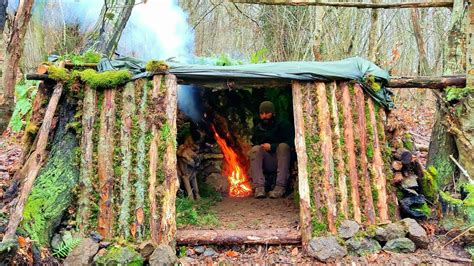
(267, 122)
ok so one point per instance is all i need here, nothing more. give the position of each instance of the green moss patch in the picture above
(107, 79)
(453, 94)
(429, 184)
(156, 66)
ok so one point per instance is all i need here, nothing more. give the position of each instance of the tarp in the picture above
(354, 68)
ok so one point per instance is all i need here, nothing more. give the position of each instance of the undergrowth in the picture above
(198, 212)
(25, 92)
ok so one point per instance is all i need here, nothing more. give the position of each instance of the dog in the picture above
(188, 163)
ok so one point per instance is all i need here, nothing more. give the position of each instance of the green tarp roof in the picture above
(355, 68)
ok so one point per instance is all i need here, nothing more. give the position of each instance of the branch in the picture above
(348, 4)
(428, 82)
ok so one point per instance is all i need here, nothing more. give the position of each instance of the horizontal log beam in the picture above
(227, 237)
(428, 82)
(348, 4)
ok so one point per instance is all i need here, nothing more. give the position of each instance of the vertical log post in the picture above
(341, 171)
(350, 149)
(33, 164)
(325, 136)
(303, 185)
(86, 168)
(377, 166)
(360, 109)
(167, 230)
(105, 164)
(470, 46)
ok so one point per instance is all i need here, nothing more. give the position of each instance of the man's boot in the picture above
(259, 192)
(277, 192)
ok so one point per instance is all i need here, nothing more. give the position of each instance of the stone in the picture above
(348, 229)
(119, 256)
(56, 241)
(199, 249)
(96, 236)
(146, 249)
(83, 254)
(326, 249)
(400, 245)
(218, 182)
(416, 233)
(362, 246)
(410, 182)
(391, 231)
(209, 252)
(163, 255)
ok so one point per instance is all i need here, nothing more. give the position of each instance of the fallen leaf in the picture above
(21, 242)
(231, 253)
(294, 252)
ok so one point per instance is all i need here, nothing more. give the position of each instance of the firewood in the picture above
(397, 178)
(397, 165)
(42, 69)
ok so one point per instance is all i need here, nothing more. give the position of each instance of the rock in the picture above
(104, 244)
(218, 182)
(209, 252)
(56, 241)
(362, 246)
(83, 254)
(187, 261)
(146, 249)
(416, 233)
(119, 256)
(348, 229)
(391, 231)
(326, 248)
(96, 236)
(400, 245)
(407, 203)
(410, 182)
(163, 255)
(199, 249)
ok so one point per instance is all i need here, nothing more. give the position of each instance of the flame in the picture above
(239, 184)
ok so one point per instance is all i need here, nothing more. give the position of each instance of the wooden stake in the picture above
(377, 166)
(350, 149)
(167, 230)
(360, 106)
(344, 207)
(300, 146)
(86, 169)
(325, 136)
(33, 164)
(105, 164)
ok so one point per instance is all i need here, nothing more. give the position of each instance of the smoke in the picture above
(157, 29)
(188, 102)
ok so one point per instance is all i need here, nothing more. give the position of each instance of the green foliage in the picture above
(66, 246)
(448, 199)
(371, 83)
(88, 57)
(58, 73)
(453, 94)
(25, 92)
(319, 228)
(259, 56)
(107, 79)
(423, 208)
(117, 255)
(156, 66)
(197, 212)
(429, 184)
(225, 60)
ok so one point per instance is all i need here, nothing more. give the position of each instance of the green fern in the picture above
(66, 247)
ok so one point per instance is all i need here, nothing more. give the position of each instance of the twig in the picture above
(458, 236)
(451, 258)
(464, 172)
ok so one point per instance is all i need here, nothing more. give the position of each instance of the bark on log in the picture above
(167, 230)
(302, 158)
(325, 136)
(428, 82)
(348, 4)
(87, 150)
(377, 166)
(105, 164)
(128, 112)
(34, 163)
(153, 155)
(277, 236)
(350, 149)
(42, 69)
(368, 199)
(341, 171)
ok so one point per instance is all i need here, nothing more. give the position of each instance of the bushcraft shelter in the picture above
(128, 133)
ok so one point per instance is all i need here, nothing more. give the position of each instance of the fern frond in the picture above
(66, 247)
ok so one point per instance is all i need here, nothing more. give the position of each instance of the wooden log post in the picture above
(379, 181)
(470, 46)
(325, 136)
(302, 158)
(105, 164)
(153, 168)
(128, 112)
(34, 163)
(276, 236)
(341, 171)
(167, 230)
(361, 123)
(87, 166)
(350, 149)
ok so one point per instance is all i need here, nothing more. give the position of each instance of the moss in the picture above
(58, 73)
(449, 200)
(423, 208)
(371, 83)
(408, 142)
(107, 79)
(429, 184)
(454, 94)
(319, 229)
(156, 66)
(120, 256)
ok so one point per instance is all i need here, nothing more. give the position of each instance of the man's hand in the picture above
(266, 146)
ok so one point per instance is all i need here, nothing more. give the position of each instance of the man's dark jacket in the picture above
(276, 132)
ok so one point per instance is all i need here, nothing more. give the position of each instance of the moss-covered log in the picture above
(303, 185)
(105, 164)
(52, 193)
(89, 109)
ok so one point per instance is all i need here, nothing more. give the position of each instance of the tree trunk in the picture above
(13, 54)
(373, 33)
(423, 66)
(108, 29)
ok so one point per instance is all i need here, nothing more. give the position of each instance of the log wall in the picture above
(340, 131)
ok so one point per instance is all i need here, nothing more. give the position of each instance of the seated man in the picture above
(273, 140)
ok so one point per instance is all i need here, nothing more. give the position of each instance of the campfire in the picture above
(239, 184)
